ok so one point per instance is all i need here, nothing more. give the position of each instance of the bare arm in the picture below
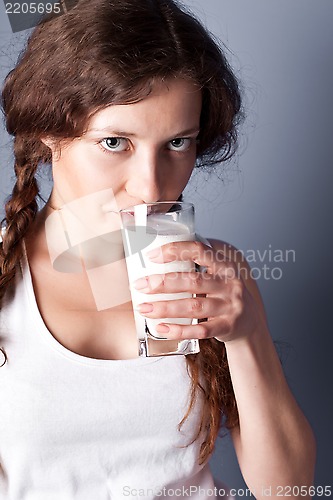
(274, 443)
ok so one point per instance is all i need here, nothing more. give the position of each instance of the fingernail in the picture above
(153, 253)
(161, 328)
(144, 308)
(140, 283)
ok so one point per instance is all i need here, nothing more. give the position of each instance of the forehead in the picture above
(172, 105)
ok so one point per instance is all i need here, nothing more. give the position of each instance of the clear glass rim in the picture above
(184, 204)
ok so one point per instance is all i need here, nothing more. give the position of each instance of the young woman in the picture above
(128, 96)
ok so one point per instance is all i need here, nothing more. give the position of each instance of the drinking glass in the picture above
(145, 227)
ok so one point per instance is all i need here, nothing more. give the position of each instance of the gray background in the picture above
(277, 194)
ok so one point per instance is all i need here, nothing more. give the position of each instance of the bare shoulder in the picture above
(242, 267)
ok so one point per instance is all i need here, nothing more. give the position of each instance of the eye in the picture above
(180, 144)
(114, 144)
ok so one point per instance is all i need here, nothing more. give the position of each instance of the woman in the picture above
(127, 96)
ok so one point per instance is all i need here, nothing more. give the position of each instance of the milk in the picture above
(158, 232)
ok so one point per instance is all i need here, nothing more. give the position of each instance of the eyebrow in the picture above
(123, 133)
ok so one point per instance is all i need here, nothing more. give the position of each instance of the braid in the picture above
(209, 372)
(20, 210)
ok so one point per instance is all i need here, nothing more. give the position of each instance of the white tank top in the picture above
(73, 427)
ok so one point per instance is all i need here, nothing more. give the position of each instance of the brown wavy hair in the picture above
(104, 52)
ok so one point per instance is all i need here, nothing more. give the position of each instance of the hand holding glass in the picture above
(146, 227)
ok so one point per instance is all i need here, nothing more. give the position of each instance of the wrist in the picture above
(254, 333)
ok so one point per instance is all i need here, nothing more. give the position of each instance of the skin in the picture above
(274, 442)
(128, 148)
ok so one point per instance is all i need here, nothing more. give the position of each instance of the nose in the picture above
(144, 181)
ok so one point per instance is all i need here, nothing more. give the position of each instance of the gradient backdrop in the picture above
(274, 202)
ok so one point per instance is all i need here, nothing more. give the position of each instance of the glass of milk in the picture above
(145, 227)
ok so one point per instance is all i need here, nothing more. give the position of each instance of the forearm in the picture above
(274, 442)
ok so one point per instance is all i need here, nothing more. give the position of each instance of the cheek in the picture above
(79, 173)
(71, 179)
(179, 178)
(187, 168)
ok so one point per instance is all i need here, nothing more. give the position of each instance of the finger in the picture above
(214, 260)
(195, 307)
(192, 282)
(218, 328)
